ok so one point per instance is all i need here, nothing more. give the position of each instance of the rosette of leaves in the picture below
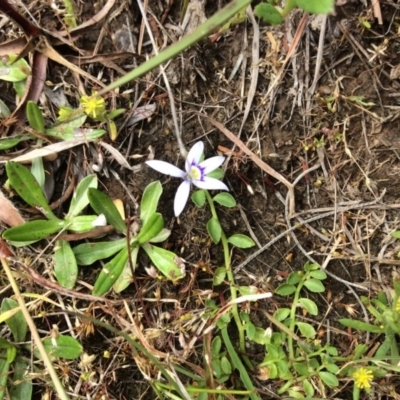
(117, 273)
(27, 187)
(14, 366)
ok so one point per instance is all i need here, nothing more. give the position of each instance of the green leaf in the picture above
(318, 274)
(102, 204)
(396, 234)
(216, 345)
(88, 253)
(28, 188)
(281, 314)
(328, 378)
(306, 330)
(268, 14)
(285, 289)
(65, 267)
(361, 326)
(316, 6)
(309, 305)
(214, 229)
(110, 273)
(4, 370)
(63, 347)
(11, 354)
(294, 278)
(308, 389)
(81, 223)
(226, 366)
(16, 323)
(302, 369)
(35, 116)
(11, 71)
(225, 199)
(11, 141)
(34, 230)
(167, 262)
(126, 278)
(199, 198)
(21, 388)
(4, 110)
(160, 237)
(314, 285)
(241, 241)
(37, 170)
(150, 199)
(80, 199)
(153, 226)
(20, 88)
(219, 276)
(216, 174)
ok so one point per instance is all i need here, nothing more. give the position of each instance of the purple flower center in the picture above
(196, 172)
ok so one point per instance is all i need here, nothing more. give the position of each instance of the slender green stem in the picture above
(289, 6)
(293, 318)
(232, 284)
(35, 335)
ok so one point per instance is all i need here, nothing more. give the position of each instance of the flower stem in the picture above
(232, 283)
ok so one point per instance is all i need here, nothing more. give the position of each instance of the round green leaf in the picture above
(306, 330)
(219, 276)
(281, 314)
(225, 199)
(319, 274)
(309, 305)
(268, 13)
(214, 230)
(308, 389)
(314, 285)
(199, 198)
(316, 6)
(328, 378)
(241, 241)
(285, 289)
(64, 347)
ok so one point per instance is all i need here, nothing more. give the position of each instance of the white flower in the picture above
(195, 173)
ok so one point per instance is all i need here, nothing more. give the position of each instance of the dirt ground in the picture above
(344, 127)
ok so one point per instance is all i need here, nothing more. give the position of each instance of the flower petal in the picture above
(166, 168)
(211, 164)
(194, 155)
(210, 184)
(181, 197)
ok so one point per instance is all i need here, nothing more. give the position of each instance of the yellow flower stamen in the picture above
(93, 106)
(363, 378)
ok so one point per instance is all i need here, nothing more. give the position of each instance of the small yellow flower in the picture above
(64, 113)
(94, 106)
(363, 378)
